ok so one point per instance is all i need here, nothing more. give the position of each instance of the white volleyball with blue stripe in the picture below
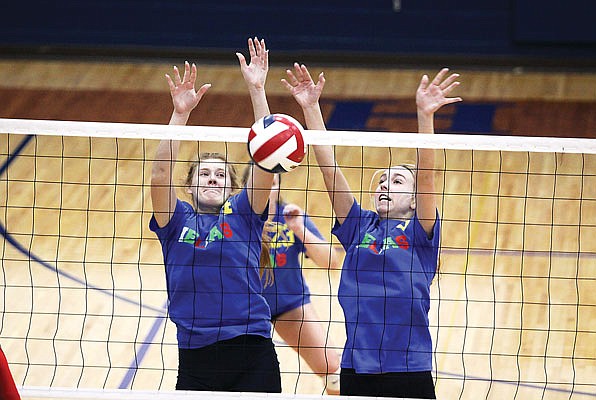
(276, 143)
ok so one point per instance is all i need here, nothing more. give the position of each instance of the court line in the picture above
(141, 352)
(9, 238)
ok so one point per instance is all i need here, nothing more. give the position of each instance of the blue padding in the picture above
(473, 118)
(350, 115)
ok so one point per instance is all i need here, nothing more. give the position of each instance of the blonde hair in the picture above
(269, 230)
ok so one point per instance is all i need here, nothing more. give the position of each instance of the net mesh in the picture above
(83, 287)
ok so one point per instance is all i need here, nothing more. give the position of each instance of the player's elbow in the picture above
(334, 259)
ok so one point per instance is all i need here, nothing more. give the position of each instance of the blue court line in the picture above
(29, 254)
(139, 356)
(140, 353)
(17, 151)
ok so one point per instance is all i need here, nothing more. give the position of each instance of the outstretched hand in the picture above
(255, 72)
(432, 95)
(184, 95)
(294, 217)
(302, 86)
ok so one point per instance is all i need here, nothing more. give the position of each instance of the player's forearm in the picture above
(320, 251)
(259, 102)
(164, 161)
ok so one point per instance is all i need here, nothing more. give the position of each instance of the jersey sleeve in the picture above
(180, 211)
(356, 222)
(239, 202)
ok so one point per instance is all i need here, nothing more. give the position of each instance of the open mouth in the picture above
(384, 197)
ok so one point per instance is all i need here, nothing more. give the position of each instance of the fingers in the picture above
(177, 80)
(301, 73)
(292, 77)
(190, 75)
(423, 83)
(187, 82)
(265, 54)
(241, 59)
(437, 79)
(305, 73)
(256, 47)
(449, 88)
(251, 48)
(203, 89)
(186, 72)
(449, 81)
(321, 82)
(170, 83)
(286, 84)
(193, 74)
(301, 77)
(450, 100)
(292, 210)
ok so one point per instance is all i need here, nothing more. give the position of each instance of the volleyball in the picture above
(276, 143)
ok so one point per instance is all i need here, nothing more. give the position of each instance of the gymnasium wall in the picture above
(378, 30)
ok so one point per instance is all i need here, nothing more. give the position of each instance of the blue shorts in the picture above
(288, 292)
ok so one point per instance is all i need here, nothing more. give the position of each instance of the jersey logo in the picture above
(217, 233)
(280, 234)
(389, 242)
(227, 208)
(282, 237)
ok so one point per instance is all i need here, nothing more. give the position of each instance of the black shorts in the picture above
(245, 363)
(415, 385)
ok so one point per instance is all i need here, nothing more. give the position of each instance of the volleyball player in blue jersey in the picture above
(391, 255)
(292, 236)
(212, 250)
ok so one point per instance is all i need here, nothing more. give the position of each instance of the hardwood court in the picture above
(523, 313)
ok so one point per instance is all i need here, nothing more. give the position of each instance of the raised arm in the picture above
(184, 99)
(307, 94)
(319, 250)
(259, 183)
(430, 97)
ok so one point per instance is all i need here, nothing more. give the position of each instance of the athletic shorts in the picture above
(245, 363)
(288, 292)
(418, 385)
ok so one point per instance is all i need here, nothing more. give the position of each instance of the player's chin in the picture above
(382, 209)
(212, 199)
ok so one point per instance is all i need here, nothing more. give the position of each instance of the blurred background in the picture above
(538, 33)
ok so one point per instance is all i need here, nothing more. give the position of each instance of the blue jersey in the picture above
(212, 272)
(289, 289)
(385, 292)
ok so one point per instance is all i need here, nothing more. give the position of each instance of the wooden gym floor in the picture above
(525, 313)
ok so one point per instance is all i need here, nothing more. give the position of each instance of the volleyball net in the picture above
(84, 305)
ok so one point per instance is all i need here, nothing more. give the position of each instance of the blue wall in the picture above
(366, 27)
